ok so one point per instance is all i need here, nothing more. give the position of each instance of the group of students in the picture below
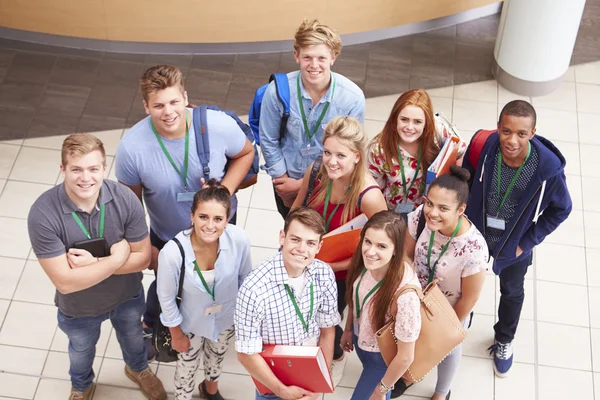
(325, 172)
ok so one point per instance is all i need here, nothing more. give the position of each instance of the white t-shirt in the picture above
(298, 284)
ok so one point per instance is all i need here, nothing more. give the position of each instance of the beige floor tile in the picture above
(588, 128)
(570, 152)
(352, 371)
(20, 360)
(487, 300)
(53, 389)
(230, 362)
(552, 260)
(557, 125)
(575, 191)
(105, 392)
(527, 311)
(242, 215)
(478, 91)
(563, 98)
(466, 135)
(520, 384)
(588, 73)
(590, 162)
(594, 294)
(569, 76)
(29, 325)
(474, 380)
(480, 336)
(14, 238)
(8, 155)
(552, 351)
(379, 108)
(573, 384)
(592, 257)
(259, 254)
(597, 385)
(18, 197)
(263, 227)
(57, 365)
(262, 195)
(10, 272)
(562, 304)
(595, 334)
(113, 349)
(46, 142)
(524, 342)
(570, 232)
(373, 127)
(110, 139)
(505, 96)
(35, 286)
(473, 115)
(3, 309)
(166, 372)
(244, 195)
(341, 393)
(591, 193)
(61, 341)
(443, 105)
(592, 233)
(234, 386)
(37, 165)
(447, 91)
(18, 386)
(112, 372)
(2, 183)
(587, 98)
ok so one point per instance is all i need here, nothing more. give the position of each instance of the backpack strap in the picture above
(476, 145)
(312, 181)
(181, 273)
(362, 194)
(283, 92)
(421, 224)
(202, 143)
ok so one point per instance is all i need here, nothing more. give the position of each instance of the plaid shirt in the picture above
(264, 312)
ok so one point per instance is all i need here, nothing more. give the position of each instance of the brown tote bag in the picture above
(441, 332)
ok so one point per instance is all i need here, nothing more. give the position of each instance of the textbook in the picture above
(341, 243)
(302, 366)
(445, 159)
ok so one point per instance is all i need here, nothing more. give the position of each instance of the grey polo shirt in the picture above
(52, 231)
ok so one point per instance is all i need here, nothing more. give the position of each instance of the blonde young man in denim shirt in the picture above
(316, 96)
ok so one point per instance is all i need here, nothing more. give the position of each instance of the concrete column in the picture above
(534, 44)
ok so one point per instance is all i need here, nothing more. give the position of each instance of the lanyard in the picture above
(309, 134)
(186, 154)
(358, 305)
(512, 182)
(312, 303)
(211, 292)
(400, 161)
(432, 270)
(100, 223)
(327, 197)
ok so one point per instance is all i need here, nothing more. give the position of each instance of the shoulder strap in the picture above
(202, 143)
(362, 194)
(283, 93)
(476, 146)
(181, 273)
(421, 224)
(313, 178)
(400, 292)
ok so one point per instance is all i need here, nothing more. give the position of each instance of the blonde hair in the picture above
(350, 133)
(160, 77)
(80, 144)
(313, 33)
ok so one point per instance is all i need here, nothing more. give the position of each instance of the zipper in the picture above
(517, 221)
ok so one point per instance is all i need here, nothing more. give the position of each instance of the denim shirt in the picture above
(231, 268)
(281, 157)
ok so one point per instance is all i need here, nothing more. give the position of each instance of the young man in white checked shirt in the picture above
(265, 310)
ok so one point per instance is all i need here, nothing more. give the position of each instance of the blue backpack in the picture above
(203, 146)
(283, 93)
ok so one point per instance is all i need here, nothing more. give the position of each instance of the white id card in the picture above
(310, 342)
(185, 197)
(213, 310)
(309, 151)
(405, 208)
(496, 223)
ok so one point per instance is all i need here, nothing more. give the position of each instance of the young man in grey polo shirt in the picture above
(104, 217)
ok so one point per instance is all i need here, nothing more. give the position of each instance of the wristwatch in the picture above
(383, 388)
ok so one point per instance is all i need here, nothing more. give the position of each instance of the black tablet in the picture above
(97, 247)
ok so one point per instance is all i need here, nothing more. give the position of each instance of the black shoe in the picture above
(399, 388)
(204, 394)
(448, 395)
(150, 350)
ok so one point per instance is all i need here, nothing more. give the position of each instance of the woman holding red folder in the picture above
(342, 191)
(401, 153)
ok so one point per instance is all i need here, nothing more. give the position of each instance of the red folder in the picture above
(302, 366)
(341, 243)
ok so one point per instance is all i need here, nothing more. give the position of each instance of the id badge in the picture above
(309, 151)
(213, 310)
(405, 208)
(310, 342)
(496, 223)
(185, 197)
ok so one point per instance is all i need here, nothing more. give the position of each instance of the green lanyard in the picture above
(327, 197)
(211, 292)
(432, 270)
(312, 304)
(400, 161)
(512, 182)
(186, 154)
(309, 134)
(100, 223)
(358, 305)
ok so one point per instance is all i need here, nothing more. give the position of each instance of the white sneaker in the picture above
(337, 369)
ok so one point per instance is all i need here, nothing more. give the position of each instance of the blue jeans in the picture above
(83, 334)
(374, 369)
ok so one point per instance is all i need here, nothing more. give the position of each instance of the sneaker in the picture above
(503, 358)
(399, 388)
(205, 395)
(150, 350)
(150, 385)
(337, 370)
(87, 395)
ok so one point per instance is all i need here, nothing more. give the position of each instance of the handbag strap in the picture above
(400, 292)
(181, 273)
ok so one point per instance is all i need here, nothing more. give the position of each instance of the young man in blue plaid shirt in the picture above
(265, 310)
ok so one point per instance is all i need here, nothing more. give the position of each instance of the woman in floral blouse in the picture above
(409, 142)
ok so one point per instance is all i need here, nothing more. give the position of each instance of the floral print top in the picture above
(389, 178)
(466, 256)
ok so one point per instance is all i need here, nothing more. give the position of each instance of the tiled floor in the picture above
(557, 350)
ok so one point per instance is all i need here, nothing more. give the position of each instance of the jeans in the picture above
(83, 334)
(374, 369)
(512, 294)
(337, 346)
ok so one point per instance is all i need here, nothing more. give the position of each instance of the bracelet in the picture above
(383, 388)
